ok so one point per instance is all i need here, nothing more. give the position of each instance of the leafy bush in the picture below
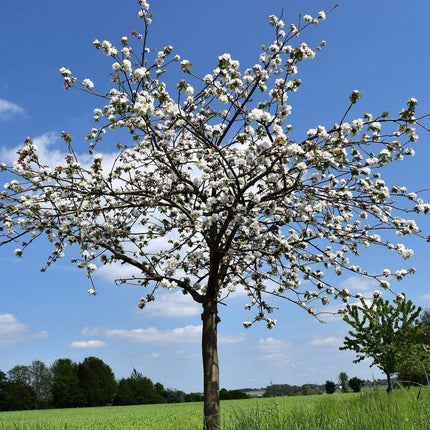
(330, 387)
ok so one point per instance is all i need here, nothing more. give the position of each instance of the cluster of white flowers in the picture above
(88, 83)
(399, 298)
(377, 294)
(403, 251)
(260, 116)
(170, 285)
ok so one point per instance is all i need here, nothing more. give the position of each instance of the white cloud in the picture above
(187, 334)
(52, 151)
(9, 109)
(240, 292)
(358, 283)
(274, 350)
(114, 271)
(425, 297)
(326, 341)
(152, 355)
(111, 272)
(230, 338)
(330, 314)
(47, 154)
(331, 311)
(40, 335)
(224, 339)
(174, 305)
(13, 331)
(88, 331)
(83, 344)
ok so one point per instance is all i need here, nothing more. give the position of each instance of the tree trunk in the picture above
(389, 387)
(210, 366)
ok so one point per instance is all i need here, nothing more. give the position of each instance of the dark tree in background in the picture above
(66, 384)
(20, 374)
(124, 394)
(175, 396)
(41, 383)
(144, 390)
(356, 384)
(232, 394)
(19, 396)
(330, 387)
(66, 387)
(343, 381)
(3, 385)
(414, 361)
(139, 390)
(160, 390)
(97, 381)
(38, 377)
(425, 318)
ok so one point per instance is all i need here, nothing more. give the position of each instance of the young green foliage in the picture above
(381, 331)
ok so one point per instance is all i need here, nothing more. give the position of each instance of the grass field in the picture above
(404, 410)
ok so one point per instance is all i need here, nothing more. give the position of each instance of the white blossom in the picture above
(321, 15)
(399, 298)
(88, 83)
(386, 272)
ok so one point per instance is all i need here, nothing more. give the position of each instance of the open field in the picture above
(405, 410)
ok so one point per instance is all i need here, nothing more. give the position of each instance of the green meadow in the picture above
(406, 409)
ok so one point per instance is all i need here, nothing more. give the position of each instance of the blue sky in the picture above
(379, 48)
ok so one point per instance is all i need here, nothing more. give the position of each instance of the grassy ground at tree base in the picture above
(404, 410)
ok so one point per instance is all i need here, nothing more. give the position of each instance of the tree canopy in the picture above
(66, 389)
(138, 389)
(356, 384)
(414, 366)
(66, 384)
(343, 381)
(425, 318)
(97, 381)
(330, 387)
(382, 331)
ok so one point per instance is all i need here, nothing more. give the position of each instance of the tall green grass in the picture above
(150, 417)
(404, 410)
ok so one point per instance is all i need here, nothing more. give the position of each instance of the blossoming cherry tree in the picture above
(213, 173)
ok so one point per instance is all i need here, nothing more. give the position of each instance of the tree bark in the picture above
(389, 387)
(210, 366)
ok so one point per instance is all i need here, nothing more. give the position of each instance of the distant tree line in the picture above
(232, 394)
(344, 384)
(276, 390)
(67, 384)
